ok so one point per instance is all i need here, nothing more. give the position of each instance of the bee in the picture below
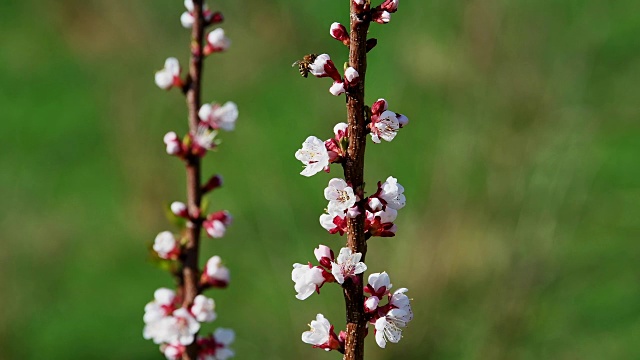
(303, 65)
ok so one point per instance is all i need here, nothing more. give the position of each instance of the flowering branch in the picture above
(174, 318)
(349, 210)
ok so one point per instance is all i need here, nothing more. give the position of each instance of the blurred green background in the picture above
(520, 239)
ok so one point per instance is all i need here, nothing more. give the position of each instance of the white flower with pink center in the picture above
(203, 309)
(220, 117)
(307, 279)
(347, 265)
(204, 137)
(393, 193)
(169, 76)
(183, 328)
(388, 327)
(313, 155)
(319, 332)
(340, 195)
(385, 128)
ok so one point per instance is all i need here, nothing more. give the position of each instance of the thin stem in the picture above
(190, 270)
(354, 174)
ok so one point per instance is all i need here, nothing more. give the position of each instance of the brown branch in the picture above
(191, 270)
(354, 175)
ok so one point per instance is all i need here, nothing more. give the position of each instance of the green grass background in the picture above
(520, 239)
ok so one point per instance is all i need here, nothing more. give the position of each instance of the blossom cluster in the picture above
(348, 208)
(176, 327)
(381, 208)
(171, 321)
(316, 155)
(387, 312)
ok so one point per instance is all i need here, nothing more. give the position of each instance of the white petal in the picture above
(187, 20)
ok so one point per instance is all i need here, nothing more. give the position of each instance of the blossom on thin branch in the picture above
(350, 211)
(176, 319)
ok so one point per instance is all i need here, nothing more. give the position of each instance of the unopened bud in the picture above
(213, 183)
(179, 209)
(339, 32)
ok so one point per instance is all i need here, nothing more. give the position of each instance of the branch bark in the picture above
(354, 175)
(191, 270)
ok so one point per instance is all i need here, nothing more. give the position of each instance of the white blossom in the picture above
(350, 74)
(379, 280)
(340, 128)
(347, 264)
(165, 78)
(323, 251)
(205, 137)
(203, 309)
(337, 88)
(172, 142)
(217, 40)
(387, 215)
(317, 67)
(393, 193)
(173, 351)
(306, 280)
(319, 333)
(223, 117)
(313, 155)
(402, 302)
(183, 328)
(385, 128)
(375, 204)
(388, 327)
(165, 244)
(216, 228)
(215, 270)
(339, 194)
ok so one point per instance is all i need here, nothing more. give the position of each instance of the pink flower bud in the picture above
(382, 17)
(324, 255)
(179, 209)
(337, 88)
(371, 304)
(390, 5)
(379, 107)
(216, 18)
(341, 130)
(339, 32)
(213, 183)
